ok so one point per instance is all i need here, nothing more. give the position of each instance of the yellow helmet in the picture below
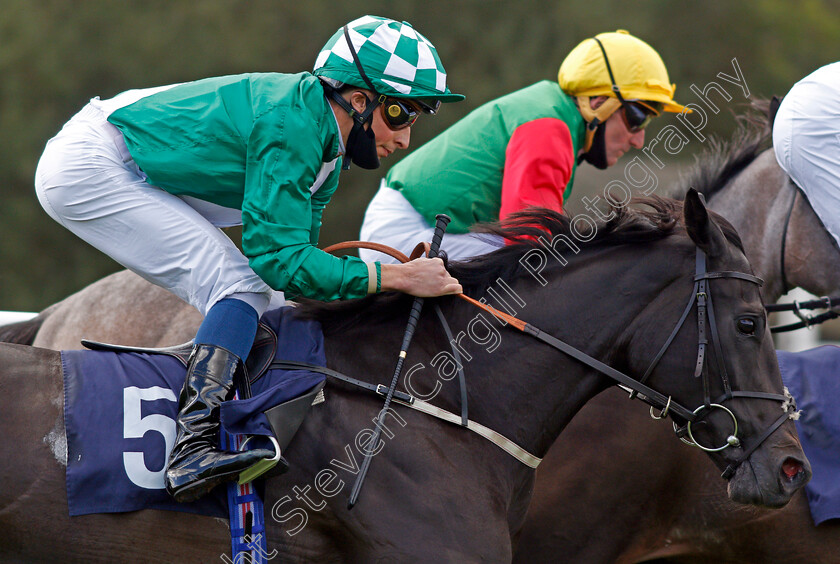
(637, 68)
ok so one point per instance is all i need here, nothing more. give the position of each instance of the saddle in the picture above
(285, 419)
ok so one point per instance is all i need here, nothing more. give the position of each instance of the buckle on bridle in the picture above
(662, 414)
(803, 317)
(382, 390)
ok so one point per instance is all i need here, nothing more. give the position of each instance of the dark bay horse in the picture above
(437, 492)
(676, 504)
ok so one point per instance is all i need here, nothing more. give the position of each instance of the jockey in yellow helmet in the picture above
(523, 149)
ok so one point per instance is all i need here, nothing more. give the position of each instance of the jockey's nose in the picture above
(637, 140)
(402, 138)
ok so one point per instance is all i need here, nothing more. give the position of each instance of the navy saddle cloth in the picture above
(120, 409)
(813, 377)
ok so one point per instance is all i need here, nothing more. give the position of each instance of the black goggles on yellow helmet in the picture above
(637, 114)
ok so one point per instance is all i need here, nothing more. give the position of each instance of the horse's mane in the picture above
(723, 160)
(642, 221)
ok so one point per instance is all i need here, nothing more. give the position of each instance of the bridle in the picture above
(701, 296)
(785, 285)
(796, 307)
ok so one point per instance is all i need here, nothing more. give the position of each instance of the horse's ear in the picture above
(700, 227)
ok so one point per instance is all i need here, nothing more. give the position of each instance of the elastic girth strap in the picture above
(499, 440)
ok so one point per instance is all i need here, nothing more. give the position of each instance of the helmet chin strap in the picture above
(595, 117)
(361, 147)
(597, 153)
(361, 143)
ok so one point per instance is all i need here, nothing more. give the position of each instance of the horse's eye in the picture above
(746, 326)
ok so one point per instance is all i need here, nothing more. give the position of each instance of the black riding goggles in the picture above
(398, 114)
(637, 115)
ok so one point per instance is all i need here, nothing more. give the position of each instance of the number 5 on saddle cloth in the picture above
(121, 405)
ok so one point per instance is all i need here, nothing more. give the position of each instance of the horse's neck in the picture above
(530, 391)
(812, 259)
(756, 203)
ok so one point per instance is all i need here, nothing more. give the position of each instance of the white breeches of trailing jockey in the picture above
(390, 219)
(806, 139)
(88, 182)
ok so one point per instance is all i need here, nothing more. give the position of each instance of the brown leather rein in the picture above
(420, 250)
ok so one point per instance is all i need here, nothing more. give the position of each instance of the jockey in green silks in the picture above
(150, 175)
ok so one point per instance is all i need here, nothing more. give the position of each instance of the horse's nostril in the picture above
(791, 468)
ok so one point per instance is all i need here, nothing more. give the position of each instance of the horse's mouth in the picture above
(753, 487)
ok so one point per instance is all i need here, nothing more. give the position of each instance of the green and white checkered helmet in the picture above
(397, 60)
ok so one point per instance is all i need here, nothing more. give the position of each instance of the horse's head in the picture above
(719, 367)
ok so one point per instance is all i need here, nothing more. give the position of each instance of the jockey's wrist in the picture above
(394, 278)
(374, 277)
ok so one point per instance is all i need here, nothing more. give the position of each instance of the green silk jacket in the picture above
(267, 144)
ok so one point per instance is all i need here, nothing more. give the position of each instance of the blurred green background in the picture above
(55, 55)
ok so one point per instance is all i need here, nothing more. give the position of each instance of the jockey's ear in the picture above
(701, 227)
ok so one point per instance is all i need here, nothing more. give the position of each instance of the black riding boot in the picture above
(196, 465)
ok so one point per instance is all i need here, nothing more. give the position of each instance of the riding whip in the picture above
(440, 227)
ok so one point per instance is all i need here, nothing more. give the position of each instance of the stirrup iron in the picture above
(252, 473)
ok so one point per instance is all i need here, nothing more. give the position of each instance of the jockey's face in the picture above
(618, 139)
(387, 139)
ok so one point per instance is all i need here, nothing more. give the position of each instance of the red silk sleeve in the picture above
(539, 161)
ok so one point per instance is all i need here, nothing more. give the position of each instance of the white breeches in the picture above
(390, 219)
(806, 139)
(88, 182)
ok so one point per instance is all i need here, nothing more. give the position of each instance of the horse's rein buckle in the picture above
(662, 414)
